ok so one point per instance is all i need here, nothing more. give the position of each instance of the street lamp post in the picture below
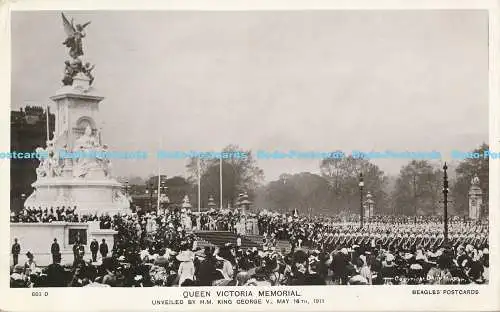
(23, 197)
(150, 186)
(445, 202)
(163, 191)
(415, 199)
(369, 205)
(283, 181)
(361, 185)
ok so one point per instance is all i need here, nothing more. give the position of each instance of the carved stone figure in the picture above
(49, 161)
(84, 145)
(104, 161)
(40, 154)
(74, 34)
(87, 70)
(69, 73)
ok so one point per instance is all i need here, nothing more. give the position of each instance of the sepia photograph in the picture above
(245, 151)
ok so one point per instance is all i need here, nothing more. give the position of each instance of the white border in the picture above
(337, 297)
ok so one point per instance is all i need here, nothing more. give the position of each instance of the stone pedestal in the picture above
(38, 238)
(71, 180)
(475, 202)
(89, 196)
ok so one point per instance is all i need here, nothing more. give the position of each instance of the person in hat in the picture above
(18, 279)
(364, 269)
(55, 250)
(114, 273)
(339, 266)
(94, 248)
(206, 273)
(223, 254)
(476, 268)
(238, 241)
(16, 250)
(299, 268)
(30, 265)
(355, 277)
(162, 259)
(103, 249)
(441, 274)
(388, 271)
(56, 276)
(186, 269)
(242, 278)
(313, 277)
(219, 275)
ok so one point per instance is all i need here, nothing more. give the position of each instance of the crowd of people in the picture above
(153, 249)
(48, 215)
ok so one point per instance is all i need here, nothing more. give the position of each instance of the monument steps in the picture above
(281, 244)
(220, 238)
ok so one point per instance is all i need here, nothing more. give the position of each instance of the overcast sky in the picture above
(309, 81)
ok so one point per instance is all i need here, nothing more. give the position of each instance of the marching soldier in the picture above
(418, 240)
(342, 238)
(335, 240)
(439, 241)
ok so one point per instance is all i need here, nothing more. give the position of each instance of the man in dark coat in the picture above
(103, 249)
(94, 248)
(339, 266)
(56, 276)
(16, 250)
(207, 272)
(76, 247)
(55, 251)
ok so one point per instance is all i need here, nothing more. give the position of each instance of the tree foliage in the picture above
(343, 177)
(418, 189)
(239, 174)
(465, 172)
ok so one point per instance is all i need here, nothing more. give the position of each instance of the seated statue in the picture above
(84, 145)
(86, 142)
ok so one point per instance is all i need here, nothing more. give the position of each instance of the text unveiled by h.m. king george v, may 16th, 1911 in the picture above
(239, 297)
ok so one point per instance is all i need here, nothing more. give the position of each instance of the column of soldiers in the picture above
(396, 240)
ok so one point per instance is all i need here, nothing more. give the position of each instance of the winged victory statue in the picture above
(74, 36)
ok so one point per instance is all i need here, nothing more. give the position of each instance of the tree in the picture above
(135, 185)
(418, 189)
(306, 192)
(342, 174)
(240, 173)
(280, 195)
(176, 188)
(465, 172)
